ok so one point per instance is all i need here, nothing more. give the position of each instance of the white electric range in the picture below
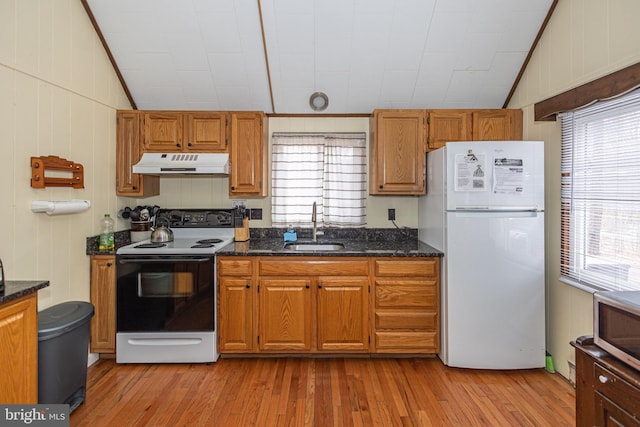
(166, 292)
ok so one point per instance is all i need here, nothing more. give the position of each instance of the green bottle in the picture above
(107, 239)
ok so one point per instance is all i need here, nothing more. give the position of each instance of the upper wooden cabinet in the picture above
(248, 159)
(129, 131)
(400, 139)
(497, 125)
(450, 125)
(172, 131)
(397, 152)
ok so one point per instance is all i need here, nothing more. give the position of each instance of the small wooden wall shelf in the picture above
(40, 165)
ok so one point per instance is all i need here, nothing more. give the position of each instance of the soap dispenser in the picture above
(290, 235)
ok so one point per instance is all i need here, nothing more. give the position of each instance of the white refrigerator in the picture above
(484, 209)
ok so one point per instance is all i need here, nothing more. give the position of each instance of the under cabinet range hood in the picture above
(183, 164)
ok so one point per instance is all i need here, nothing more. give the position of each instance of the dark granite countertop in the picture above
(17, 288)
(122, 238)
(402, 242)
(275, 247)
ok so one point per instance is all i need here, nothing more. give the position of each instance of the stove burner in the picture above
(209, 241)
(150, 245)
(203, 245)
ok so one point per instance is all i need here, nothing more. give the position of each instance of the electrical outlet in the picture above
(391, 214)
(255, 213)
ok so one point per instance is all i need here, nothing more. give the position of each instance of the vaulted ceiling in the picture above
(271, 55)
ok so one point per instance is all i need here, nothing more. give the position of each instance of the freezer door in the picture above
(493, 294)
(486, 175)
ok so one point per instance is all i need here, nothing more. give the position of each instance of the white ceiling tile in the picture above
(447, 32)
(478, 51)
(365, 53)
(397, 86)
(219, 33)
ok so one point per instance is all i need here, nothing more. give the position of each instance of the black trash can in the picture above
(63, 348)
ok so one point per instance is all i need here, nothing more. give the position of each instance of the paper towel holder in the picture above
(56, 207)
(39, 166)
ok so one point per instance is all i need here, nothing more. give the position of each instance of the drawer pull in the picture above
(604, 379)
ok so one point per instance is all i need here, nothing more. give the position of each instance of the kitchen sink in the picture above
(313, 246)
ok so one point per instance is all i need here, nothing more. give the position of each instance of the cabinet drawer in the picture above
(313, 268)
(405, 294)
(393, 319)
(234, 267)
(406, 340)
(406, 268)
(614, 388)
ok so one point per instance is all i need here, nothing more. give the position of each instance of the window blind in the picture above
(600, 194)
(327, 168)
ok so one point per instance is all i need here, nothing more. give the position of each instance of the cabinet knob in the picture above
(604, 379)
(380, 186)
(109, 264)
(320, 286)
(189, 144)
(233, 188)
(178, 145)
(307, 286)
(247, 285)
(134, 187)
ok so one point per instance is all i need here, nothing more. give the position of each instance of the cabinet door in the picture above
(497, 125)
(445, 126)
(163, 132)
(19, 351)
(285, 315)
(398, 153)
(205, 132)
(248, 155)
(128, 152)
(343, 314)
(103, 298)
(610, 414)
(235, 318)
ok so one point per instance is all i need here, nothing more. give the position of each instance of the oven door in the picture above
(165, 293)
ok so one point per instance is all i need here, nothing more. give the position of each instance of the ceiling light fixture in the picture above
(318, 101)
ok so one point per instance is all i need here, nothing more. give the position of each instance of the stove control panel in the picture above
(195, 218)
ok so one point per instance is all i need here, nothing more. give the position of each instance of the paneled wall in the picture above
(58, 96)
(584, 40)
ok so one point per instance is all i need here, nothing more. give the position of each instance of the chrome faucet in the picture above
(315, 233)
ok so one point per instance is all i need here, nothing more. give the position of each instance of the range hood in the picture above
(183, 164)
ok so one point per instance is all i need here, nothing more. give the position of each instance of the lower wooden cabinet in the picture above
(235, 314)
(19, 351)
(607, 390)
(103, 298)
(406, 305)
(285, 315)
(328, 304)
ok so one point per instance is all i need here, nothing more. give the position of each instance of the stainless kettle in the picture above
(161, 234)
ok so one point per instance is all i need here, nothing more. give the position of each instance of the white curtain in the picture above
(329, 169)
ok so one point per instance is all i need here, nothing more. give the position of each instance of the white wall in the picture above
(584, 40)
(213, 191)
(58, 96)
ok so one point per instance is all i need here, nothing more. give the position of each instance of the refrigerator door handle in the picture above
(498, 208)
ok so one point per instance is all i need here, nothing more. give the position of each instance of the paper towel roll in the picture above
(57, 207)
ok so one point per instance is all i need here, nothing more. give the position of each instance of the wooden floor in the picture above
(322, 392)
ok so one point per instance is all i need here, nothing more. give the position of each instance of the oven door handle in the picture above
(157, 260)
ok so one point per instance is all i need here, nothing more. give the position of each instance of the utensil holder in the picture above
(242, 233)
